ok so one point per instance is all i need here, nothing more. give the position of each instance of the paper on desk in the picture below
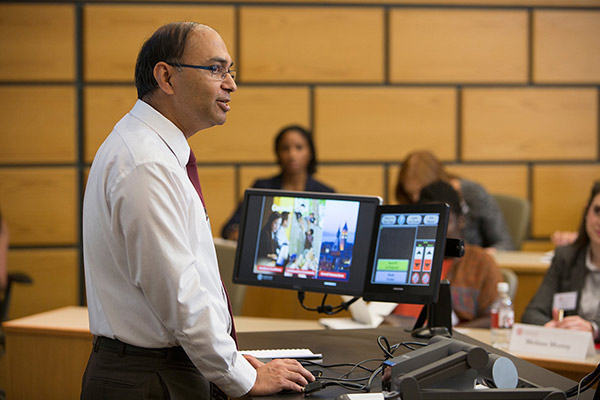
(548, 256)
(364, 315)
(348, 323)
(546, 342)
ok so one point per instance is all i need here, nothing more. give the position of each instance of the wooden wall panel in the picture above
(537, 245)
(257, 114)
(104, 106)
(218, 188)
(374, 81)
(376, 124)
(530, 124)
(353, 179)
(55, 274)
(130, 25)
(429, 45)
(281, 303)
(560, 193)
(38, 124)
(37, 42)
(567, 46)
(502, 179)
(40, 205)
(325, 44)
(392, 180)
(249, 174)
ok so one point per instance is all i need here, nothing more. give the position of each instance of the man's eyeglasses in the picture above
(217, 71)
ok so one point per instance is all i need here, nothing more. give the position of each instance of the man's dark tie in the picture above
(192, 171)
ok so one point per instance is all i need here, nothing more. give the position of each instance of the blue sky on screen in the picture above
(337, 214)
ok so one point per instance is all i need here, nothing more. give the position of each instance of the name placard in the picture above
(551, 343)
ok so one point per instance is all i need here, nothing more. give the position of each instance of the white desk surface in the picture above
(523, 261)
(74, 320)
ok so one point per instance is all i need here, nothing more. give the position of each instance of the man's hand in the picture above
(563, 238)
(574, 322)
(278, 375)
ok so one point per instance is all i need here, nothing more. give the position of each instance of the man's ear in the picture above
(163, 74)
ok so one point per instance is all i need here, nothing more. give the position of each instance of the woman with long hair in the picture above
(575, 268)
(484, 222)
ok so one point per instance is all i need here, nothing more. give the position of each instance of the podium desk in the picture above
(352, 346)
(530, 267)
(47, 353)
(572, 369)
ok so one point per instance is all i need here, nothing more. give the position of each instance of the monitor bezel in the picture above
(408, 294)
(299, 284)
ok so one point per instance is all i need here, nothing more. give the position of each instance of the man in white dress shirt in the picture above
(158, 310)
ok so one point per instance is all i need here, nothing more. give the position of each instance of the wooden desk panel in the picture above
(51, 349)
(47, 354)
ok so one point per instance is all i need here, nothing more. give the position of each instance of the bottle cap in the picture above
(503, 287)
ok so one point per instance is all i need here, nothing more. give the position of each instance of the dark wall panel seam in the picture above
(530, 47)
(79, 57)
(459, 123)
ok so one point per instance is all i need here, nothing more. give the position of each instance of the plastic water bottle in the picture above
(503, 316)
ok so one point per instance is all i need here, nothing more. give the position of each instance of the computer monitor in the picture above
(406, 255)
(305, 241)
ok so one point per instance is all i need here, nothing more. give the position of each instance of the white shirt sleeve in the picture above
(170, 260)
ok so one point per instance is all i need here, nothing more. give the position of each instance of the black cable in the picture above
(352, 383)
(388, 351)
(373, 375)
(359, 365)
(323, 301)
(309, 362)
(326, 308)
(409, 344)
(585, 383)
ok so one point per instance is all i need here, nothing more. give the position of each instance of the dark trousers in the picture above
(117, 370)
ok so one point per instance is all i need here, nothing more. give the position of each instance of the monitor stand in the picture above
(437, 316)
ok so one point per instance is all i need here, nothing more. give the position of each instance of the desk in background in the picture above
(530, 267)
(47, 353)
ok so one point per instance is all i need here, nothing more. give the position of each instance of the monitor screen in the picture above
(305, 241)
(406, 255)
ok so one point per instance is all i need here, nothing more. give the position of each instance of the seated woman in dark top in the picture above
(575, 269)
(297, 159)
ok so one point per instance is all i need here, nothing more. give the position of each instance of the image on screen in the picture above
(407, 253)
(305, 241)
(306, 238)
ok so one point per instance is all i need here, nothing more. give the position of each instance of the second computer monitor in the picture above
(407, 251)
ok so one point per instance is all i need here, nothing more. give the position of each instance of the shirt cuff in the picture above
(240, 379)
